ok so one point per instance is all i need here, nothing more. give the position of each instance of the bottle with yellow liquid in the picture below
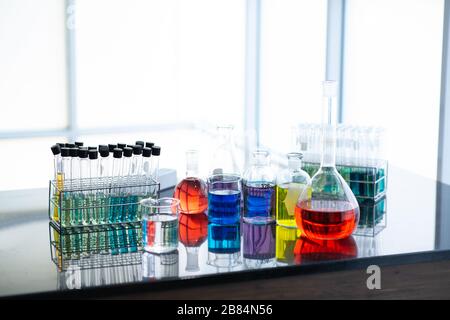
(286, 239)
(290, 184)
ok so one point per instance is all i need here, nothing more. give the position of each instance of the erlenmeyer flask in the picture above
(224, 160)
(327, 209)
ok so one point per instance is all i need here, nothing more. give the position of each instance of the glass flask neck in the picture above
(260, 158)
(192, 163)
(329, 124)
(294, 161)
(192, 259)
(225, 133)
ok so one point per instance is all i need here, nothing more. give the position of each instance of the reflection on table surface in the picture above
(208, 249)
(415, 223)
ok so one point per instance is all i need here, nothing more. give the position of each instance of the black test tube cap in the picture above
(65, 152)
(127, 152)
(56, 149)
(146, 152)
(104, 150)
(79, 144)
(149, 144)
(92, 148)
(140, 143)
(137, 149)
(121, 145)
(112, 147)
(83, 153)
(74, 152)
(117, 153)
(93, 154)
(156, 151)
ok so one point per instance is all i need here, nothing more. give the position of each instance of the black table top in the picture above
(418, 223)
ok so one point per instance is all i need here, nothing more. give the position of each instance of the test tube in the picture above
(103, 195)
(156, 152)
(58, 177)
(66, 200)
(93, 176)
(93, 200)
(83, 214)
(74, 183)
(127, 181)
(116, 200)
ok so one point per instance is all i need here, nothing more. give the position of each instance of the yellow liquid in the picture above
(59, 184)
(285, 243)
(287, 197)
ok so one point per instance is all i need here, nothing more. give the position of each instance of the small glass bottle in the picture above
(327, 209)
(191, 191)
(224, 160)
(259, 190)
(290, 184)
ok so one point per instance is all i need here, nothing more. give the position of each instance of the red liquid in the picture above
(193, 229)
(326, 220)
(307, 250)
(192, 195)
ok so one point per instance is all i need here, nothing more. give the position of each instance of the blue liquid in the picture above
(224, 206)
(259, 202)
(224, 238)
(113, 241)
(115, 211)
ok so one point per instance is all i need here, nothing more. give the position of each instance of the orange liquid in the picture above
(192, 195)
(193, 229)
(317, 219)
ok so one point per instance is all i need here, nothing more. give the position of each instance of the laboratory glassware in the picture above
(224, 198)
(259, 245)
(160, 224)
(160, 266)
(313, 250)
(286, 239)
(58, 175)
(193, 232)
(224, 160)
(327, 208)
(290, 184)
(259, 190)
(224, 245)
(156, 152)
(191, 191)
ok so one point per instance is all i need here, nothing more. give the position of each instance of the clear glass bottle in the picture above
(191, 191)
(224, 160)
(290, 184)
(259, 190)
(327, 209)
